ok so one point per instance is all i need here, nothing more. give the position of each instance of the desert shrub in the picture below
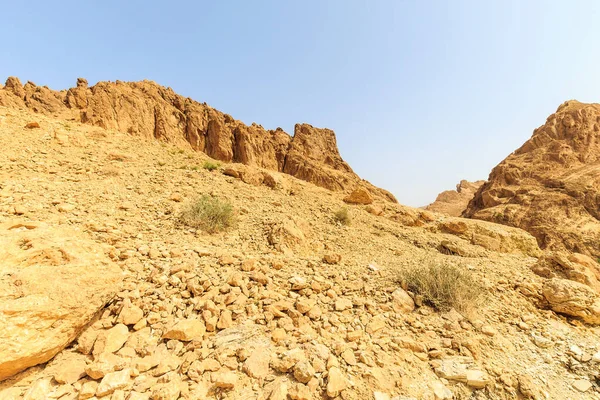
(210, 165)
(342, 216)
(209, 214)
(444, 286)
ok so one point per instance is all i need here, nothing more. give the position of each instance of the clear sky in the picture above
(420, 93)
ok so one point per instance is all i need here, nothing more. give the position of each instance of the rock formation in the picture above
(550, 186)
(454, 202)
(152, 111)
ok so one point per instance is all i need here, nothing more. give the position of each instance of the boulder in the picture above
(53, 281)
(572, 298)
(359, 195)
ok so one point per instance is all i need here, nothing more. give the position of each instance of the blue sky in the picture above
(420, 93)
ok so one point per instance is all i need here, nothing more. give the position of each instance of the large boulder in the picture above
(572, 298)
(53, 281)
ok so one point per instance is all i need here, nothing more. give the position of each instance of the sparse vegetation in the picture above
(208, 213)
(342, 216)
(444, 286)
(210, 165)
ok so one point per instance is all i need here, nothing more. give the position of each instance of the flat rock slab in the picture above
(53, 280)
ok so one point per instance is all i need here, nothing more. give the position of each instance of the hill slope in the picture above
(155, 112)
(287, 303)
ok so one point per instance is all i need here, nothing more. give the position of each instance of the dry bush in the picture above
(210, 165)
(209, 214)
(342, 216)
(444, 286)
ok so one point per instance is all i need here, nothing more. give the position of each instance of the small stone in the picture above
(88, 389)
(477, 379)
(225, 320)
(354, 336)
(111, 340)
(332, 258)
(166, 391)
(582, 385)
(257, 365)
(349, 357)
(114, 381)
(375, 210)
(277, 265)
(298, 283)
(300, 392)
(488, 330)
(342, 304)
(380, 396)
(137, 396)
(402, 302)
(226, 260)
(441, 392)
(303, 371)
(70, 371)
(130, 314)
(32, 125)
(176, 197)
(248, 265)
(304, 305)
(314, 313)
(225, 379)
(278, 335)
(186, 330)
(65, 207)
(40, 390)
(377, 323)
(336, 382)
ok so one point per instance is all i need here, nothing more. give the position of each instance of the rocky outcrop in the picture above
(152, 111)
(454, 202)
(52, 283)
(551, 185)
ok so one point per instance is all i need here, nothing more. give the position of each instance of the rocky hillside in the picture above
(106, 294)
(551, 185)
(151, 111)
(454, 202)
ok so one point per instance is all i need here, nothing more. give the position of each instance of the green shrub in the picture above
(211, 166)
(444, 286)
(209, 214)
(342, 216)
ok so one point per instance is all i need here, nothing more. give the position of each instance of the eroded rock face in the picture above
(52, 283)
(152, 111)
(551, 185)
(454, 202)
